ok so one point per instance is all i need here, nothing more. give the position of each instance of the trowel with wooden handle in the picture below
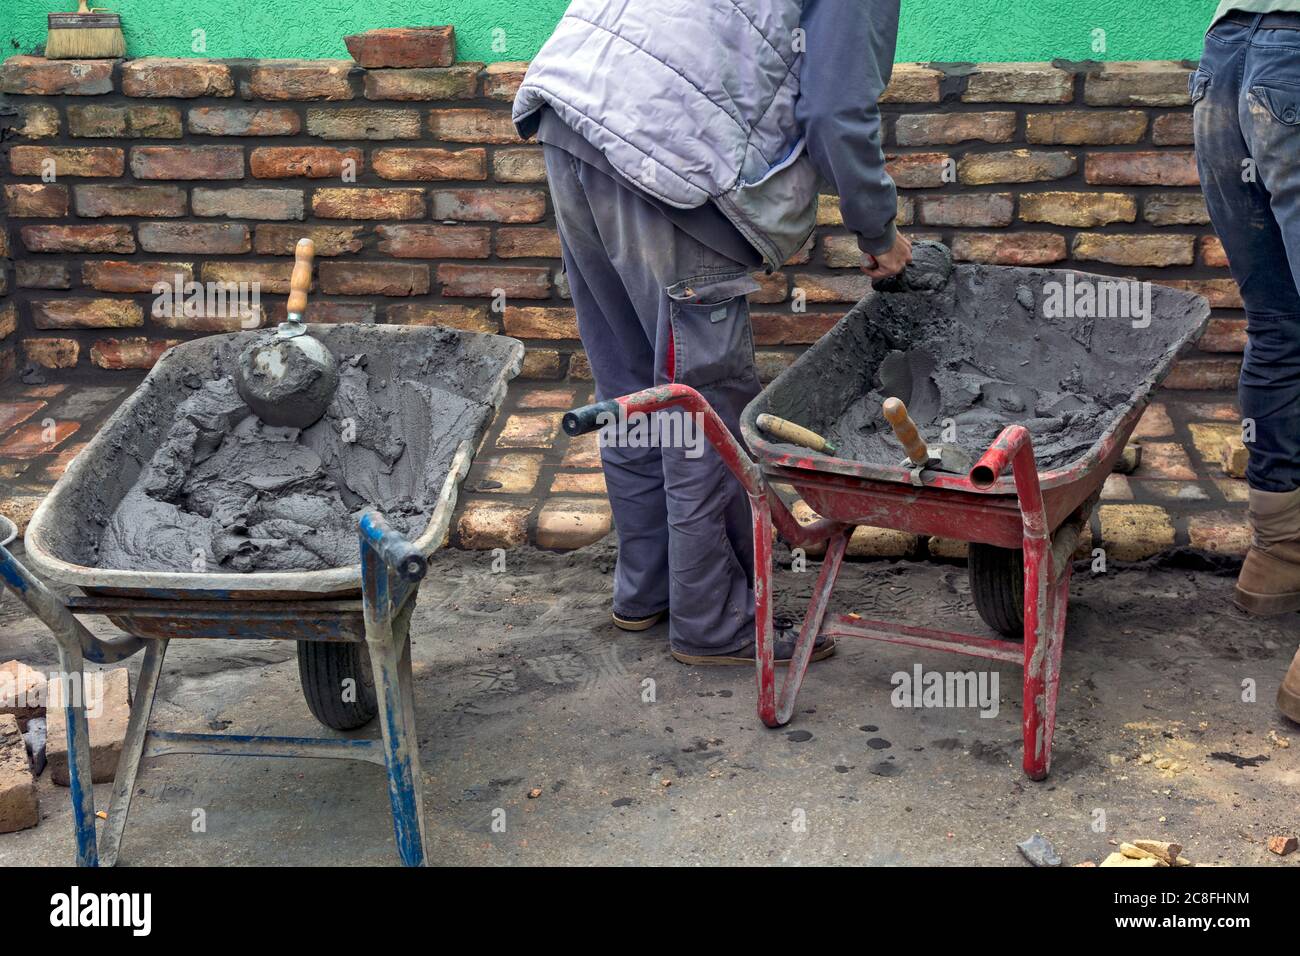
(921, 456)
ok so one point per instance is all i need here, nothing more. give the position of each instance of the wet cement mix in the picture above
(974, 349)
(224, 491)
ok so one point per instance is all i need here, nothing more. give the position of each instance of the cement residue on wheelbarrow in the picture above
(184, 478)
(989, 347)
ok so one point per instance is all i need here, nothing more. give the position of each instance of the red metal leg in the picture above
(763, 656)
(812, 626)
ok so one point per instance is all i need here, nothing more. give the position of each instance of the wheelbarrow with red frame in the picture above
(1023, 525)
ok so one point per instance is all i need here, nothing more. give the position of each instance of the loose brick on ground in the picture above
(566, 523)
(107, 698)
(1134, 532)
(19, 807)
(484, 525)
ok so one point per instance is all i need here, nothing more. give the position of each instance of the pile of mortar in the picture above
(224, 491)
(972, 352)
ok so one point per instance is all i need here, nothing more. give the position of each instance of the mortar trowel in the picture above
(921, 456)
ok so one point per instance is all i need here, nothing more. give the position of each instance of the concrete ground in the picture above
(523, 684)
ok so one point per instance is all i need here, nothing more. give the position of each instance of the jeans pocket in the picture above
(1198, 84)
(1283, 102)
(712, 340)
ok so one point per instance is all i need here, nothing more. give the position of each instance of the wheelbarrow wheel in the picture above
(337, 683)
(997, 582)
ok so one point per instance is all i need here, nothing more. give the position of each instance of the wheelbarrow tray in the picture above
(839, 369)
(68, 524)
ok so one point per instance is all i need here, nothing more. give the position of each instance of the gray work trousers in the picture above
(655, 305)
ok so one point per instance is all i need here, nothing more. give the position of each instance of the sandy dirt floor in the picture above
(523, 683)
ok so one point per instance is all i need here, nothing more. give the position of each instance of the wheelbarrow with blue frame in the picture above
(351, 623)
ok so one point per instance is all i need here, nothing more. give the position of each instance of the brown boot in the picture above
(1270, 579)
(1288, 695)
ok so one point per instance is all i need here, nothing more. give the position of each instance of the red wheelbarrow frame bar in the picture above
(1047, 569)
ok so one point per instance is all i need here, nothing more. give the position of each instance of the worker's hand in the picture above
(889, 263)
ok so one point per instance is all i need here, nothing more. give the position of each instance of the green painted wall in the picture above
(945, 30)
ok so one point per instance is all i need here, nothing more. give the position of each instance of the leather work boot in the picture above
(1270, 579)
(1288, 695)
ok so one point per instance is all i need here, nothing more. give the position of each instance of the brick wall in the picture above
(212, 170)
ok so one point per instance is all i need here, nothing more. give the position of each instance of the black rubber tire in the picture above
(997, 583)
(322, 669)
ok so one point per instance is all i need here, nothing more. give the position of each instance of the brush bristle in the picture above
(95, 43)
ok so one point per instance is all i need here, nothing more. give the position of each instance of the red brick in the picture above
(1081, 210)
(67, 160)
(918, 170)
(540, 322)
(86, 314)
(472, 126)
(301, 80)
(403, 47)
(124, 122)
(1018, 83)
(52, 352)
(130, 353)
(373, 278)
(187, 162)
(19, 804)
(971, 209)
(501, 80)
(1145, 83)
(833, 288)
(1211, 373)
(1015, 166)
(107, 275)
(178, 77)
(489, 205)
(1009, 249)
(458, 82)
(35, 439)
(1164, 168)
(1173, 129)
(365, 203)
(1086, 127)
(773, 288)
(272, 277)
(1223, 335)
(244, 121)
(791, 328)
(1221, 293)
(518, 242)
(39, 121)
(98, 238)
(243, 202)
(426, 164)
(469, 318)
(519, 164)
(36, 200)
(1212, 253)
(841, 252)
(37, 76)
(213, 238)
(93, 201)
(520, 282)
(1135, 250)
(948, 129)
(363, 122)
(311, 162)
(434, 241)
(42, 275)
(8, 325)
(282, 240)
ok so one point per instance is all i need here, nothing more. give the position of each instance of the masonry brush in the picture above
(85, 35)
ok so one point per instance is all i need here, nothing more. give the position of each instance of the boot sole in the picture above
(1288, 704)
(726, 660)
(638, 623)
(1267, 605)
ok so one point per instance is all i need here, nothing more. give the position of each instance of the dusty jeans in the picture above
(655, 305)
(1247, 119)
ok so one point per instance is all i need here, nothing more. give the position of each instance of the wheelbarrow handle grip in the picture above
(906, 430)
(588, 418)
(393, 547)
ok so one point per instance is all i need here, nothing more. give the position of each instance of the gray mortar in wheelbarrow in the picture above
(185, 490)
(986, 349)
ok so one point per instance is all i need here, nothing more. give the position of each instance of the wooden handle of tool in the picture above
(905, 429)
(300, 281)
(82, 7)
(788, 431)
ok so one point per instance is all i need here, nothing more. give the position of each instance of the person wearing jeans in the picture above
(684, 141)
(1246, 93)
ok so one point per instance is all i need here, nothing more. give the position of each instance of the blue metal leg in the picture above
(80, 786)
